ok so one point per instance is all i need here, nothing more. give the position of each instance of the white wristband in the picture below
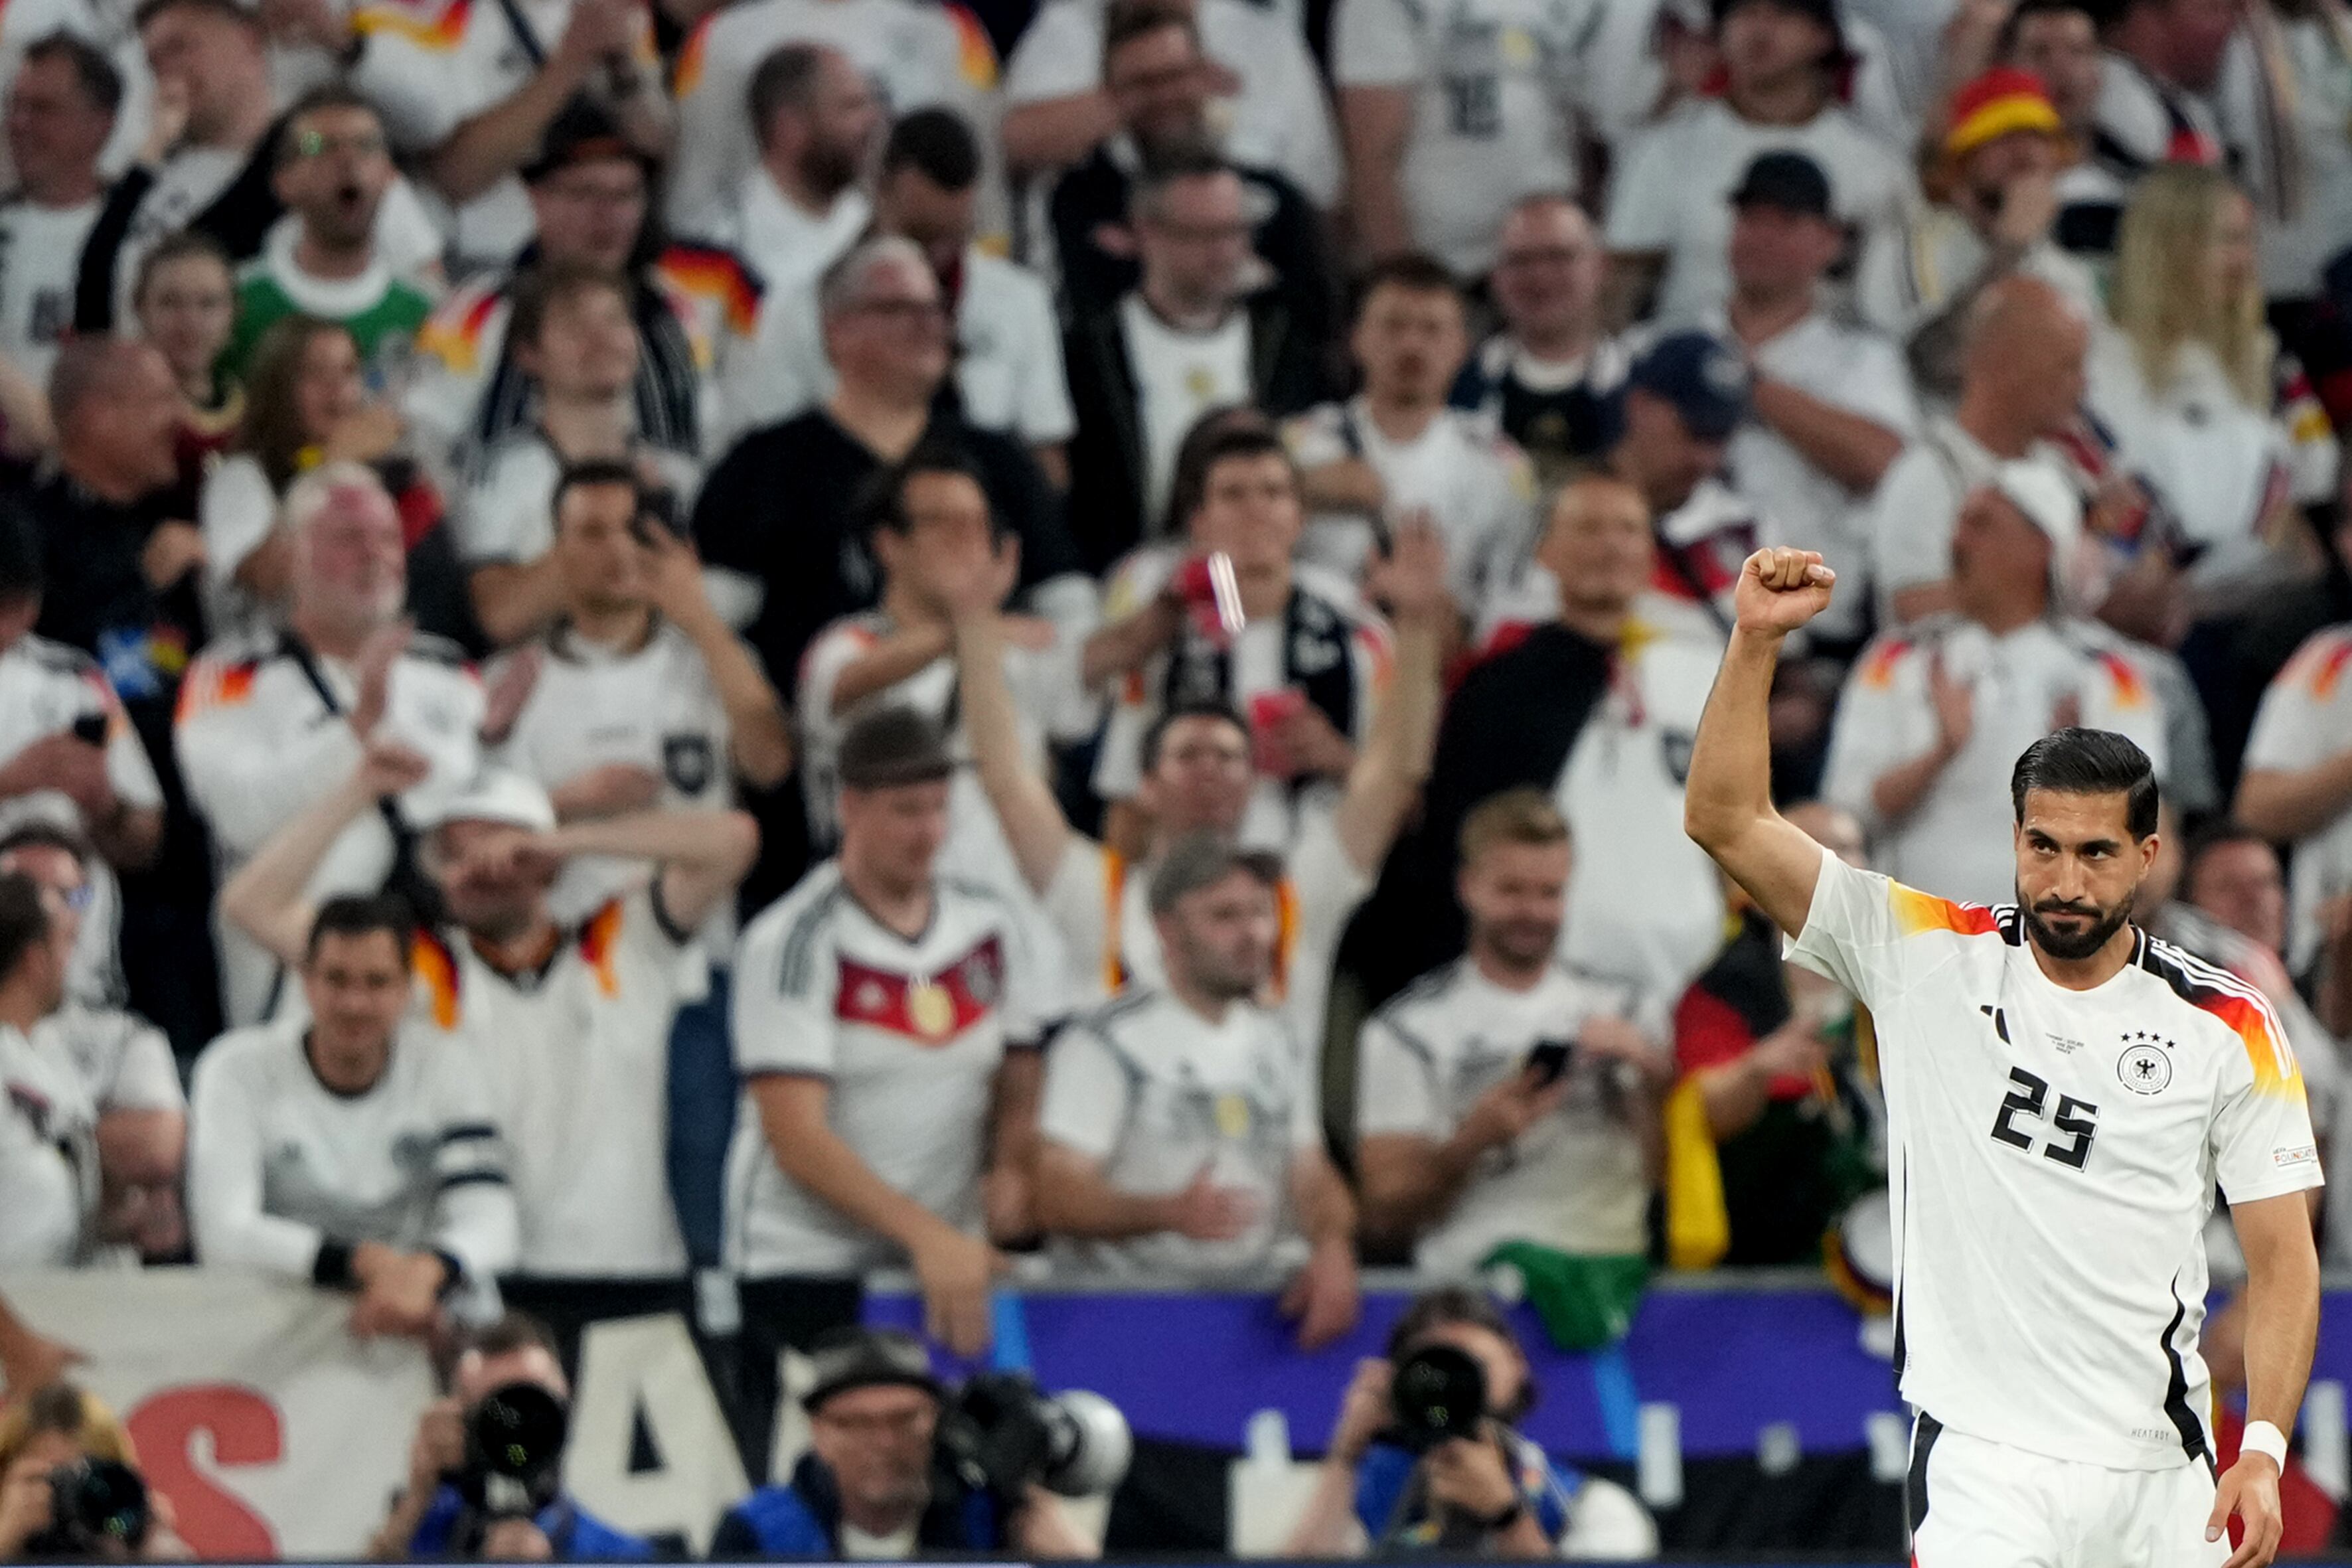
(2263, 1438)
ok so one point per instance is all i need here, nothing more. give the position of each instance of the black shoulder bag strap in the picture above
(407, 878)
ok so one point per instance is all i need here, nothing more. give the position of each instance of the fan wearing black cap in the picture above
(1830, 405)
(887, 1021)
(870, 1488)
(1669, 227)
(1180, 1140)
(1683, 400)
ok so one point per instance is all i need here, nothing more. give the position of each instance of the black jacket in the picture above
(239, 218)
(1107, 454)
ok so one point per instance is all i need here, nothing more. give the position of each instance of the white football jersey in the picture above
(2051, 1163)
(1156, 1093)
(910, 1034)
(576, 1053)
(281, 1165)
(2304, 720)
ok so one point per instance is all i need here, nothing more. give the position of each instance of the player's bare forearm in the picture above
(1727, 800)
(2282, 804)
(1410, 1183)
(2282, 1304)
(1071, 1198)
(808, 1150)
(1326, 1214)
(902, 654)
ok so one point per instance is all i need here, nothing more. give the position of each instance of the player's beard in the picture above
(2073, 947)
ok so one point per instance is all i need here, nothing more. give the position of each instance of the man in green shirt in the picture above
(331, 172)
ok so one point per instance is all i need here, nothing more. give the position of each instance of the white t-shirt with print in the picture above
(909, 1034)
(1157, 1094)
(1575, 1181)
(1179, 376)
(1495, 85)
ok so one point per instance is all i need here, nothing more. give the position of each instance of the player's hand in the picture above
(955, 1271)
(1955, 702)
(1468, 1476)
(510, 689)
(1363, 1411)
(1780, 589)
(1325, 1296)
(438, 1447)
(1502, 1114)
(1205, 1211)
(2249, 1491)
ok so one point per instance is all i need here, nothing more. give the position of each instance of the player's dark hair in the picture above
(2077, 760)
(1166, 167)
(1458, 1304)
(543, 288)
(224, 10)
(2005, 44)
(39, 834)
(362, 914)
(179, 247)
(591, 474)
(24, 920)
(93, 72)
(936, 144)
(22, 575)
(1156, 736)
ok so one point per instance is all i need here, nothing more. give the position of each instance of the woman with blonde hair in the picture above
(2203, 408)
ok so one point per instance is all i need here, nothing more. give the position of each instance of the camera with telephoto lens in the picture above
(99, 1510)
(1000, 1435)
(1438, 1393)
(514, 1452)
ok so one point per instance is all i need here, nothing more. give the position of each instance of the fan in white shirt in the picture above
(1505, 1097)
(887, 1026)
(1669, 221)
(570, 1025)
(350, 1149)
(1008, 342)
(61, 110)
(1270, 100)
(2021, 385)
(1178, 1138)
(1397, 451)
(2064, 1096)
(1830, 406)
(915, 53)
(573, 337)
(1453, 112)
(124, 1063)
(1197, 776)
(2297, 787)
(816, 120)
(48, 1144)
(643, 696)
(1933, 716)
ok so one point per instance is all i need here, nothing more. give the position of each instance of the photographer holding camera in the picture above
(1424, 1455)
(882, 1480)
(70, 1489)
(486, 1470)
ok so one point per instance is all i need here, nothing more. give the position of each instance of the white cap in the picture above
(2049, 500)
(496, 794)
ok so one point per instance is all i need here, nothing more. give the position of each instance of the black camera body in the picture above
(1437, 1394)
(1000, 1435)
(514, 1452)
(99, 1510)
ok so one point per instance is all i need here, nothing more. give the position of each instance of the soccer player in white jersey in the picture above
(1178, 1139)
(347, 1151)
(2063, 1094)
(886, 1025)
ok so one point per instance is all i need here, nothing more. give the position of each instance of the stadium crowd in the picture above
(639, 637)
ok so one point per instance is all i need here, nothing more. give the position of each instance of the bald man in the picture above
(2021, 385)
(1548, 378)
